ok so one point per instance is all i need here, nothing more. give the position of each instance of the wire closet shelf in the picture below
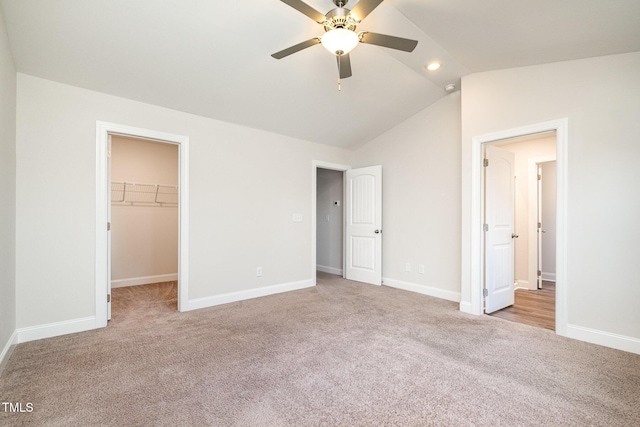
(133, 194)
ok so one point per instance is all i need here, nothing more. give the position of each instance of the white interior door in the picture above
(363, 225)
(500, 231)
(109, 229)
(539, 233)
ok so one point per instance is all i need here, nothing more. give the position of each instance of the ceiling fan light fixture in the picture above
(339, 40)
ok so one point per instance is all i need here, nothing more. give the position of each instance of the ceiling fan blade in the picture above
(304, 8)
(296, 48)
(344, 66)
(363, 8)
(389, 41)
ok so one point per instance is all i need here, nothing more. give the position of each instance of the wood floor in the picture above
(535, 308)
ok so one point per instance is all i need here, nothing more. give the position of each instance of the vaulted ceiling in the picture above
(212, 58)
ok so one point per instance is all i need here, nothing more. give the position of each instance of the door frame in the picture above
(315, 165)
(103, 198)
(560, 126)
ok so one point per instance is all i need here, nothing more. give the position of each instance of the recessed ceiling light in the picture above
(433, 66)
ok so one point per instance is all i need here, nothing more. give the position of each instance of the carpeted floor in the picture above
(339, 354)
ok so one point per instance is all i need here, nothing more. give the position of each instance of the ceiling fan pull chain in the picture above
(339, 74)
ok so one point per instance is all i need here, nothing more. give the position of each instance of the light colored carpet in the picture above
(341, 353)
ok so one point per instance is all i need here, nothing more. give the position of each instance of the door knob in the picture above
(378, 231)
(544, 231)
(514, 236)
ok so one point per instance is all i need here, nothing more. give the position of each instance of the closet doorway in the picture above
(104, 133)
(144, 178)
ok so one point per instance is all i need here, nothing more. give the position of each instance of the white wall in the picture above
(329, 221)
(7, 192)
(421, 199)
(144, 239)
(245, 185)
(549, 220)
(525, 150)
(601, 99)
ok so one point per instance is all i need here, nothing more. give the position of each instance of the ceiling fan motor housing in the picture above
(340, 18)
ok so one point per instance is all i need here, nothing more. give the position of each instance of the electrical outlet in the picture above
(421, 269)
(407, 266)
(259, 272)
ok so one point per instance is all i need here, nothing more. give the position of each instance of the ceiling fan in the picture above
(340, 35)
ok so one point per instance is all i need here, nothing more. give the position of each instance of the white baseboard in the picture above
(55, 329)
(8, 349)
(211, 301)
(465, 307)
(144, 280)
(422, 289)
(549, 277)
(329, 270)
(522, 284)
(607, 339)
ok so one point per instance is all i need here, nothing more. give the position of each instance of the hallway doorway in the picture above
(532, 205)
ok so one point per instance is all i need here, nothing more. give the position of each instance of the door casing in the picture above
(315, 165)
(103, 130)
(475, 243)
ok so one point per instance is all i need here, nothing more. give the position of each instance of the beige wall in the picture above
(7, 190)
(329, 221)
(144, 239)
(600, 97)
(245, 185)
(244, 220)
(421, 199)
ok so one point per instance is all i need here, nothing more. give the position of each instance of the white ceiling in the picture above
(212, 58)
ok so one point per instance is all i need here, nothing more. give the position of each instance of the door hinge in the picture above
(485, 292)
(539, 225)
(108, 297)
(108, 226)
(485, 162)
(539, 273)
(485, 227)
(539, 177)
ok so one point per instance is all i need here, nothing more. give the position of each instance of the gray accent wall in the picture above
(329, 221)
(549, 220)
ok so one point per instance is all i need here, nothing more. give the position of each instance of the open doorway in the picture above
(330, 221)
(104, 132)
(362, 222)
(529, 243)
(144, 204)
